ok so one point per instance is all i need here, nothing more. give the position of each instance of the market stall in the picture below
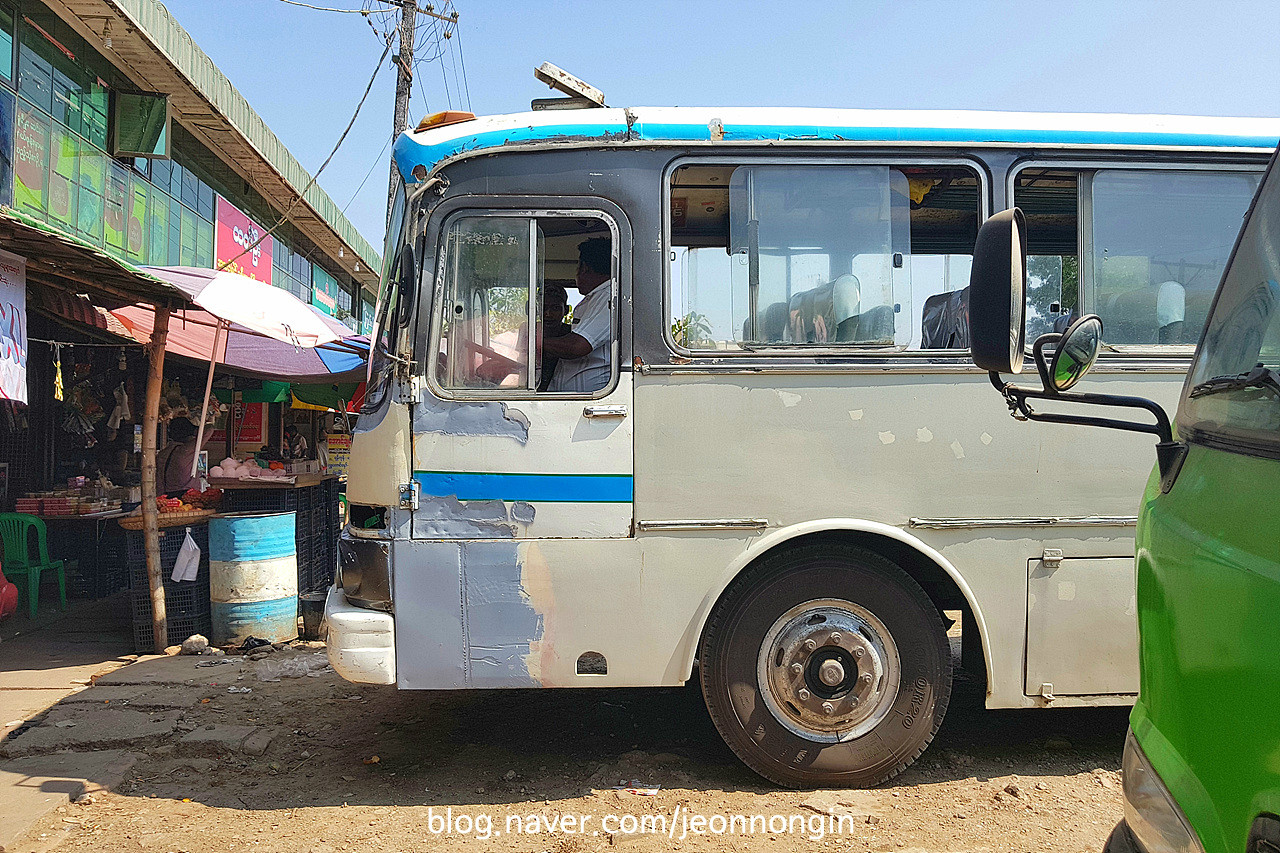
(75, 455)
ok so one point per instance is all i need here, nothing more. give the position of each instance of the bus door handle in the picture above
(604, 412)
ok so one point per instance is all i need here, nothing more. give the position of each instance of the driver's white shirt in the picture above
(592, 321)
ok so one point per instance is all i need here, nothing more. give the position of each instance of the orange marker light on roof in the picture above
(441, 119)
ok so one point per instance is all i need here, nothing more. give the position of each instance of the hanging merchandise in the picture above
(57, 372)
(121, 412)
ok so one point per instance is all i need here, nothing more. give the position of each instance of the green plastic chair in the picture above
(15, 534)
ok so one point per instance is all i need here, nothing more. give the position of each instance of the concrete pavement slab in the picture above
(180, 669)
(132, 696)
(31, 787)
(97, 729)
(227, 738)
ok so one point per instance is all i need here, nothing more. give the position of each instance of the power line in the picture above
(376, 161)
(458, 32)
(325, 8)
(285, 216)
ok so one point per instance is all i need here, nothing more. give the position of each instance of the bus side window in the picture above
(1155, 242)
(1050, 200)
(1160, 241)
(821, 255)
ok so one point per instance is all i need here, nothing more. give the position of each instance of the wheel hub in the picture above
(828, 670)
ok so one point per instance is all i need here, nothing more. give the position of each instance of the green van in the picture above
(1202, 757)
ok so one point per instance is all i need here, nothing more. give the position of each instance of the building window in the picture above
(6, 43)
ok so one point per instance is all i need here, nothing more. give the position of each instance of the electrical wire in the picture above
(458, 32)
(285, 216)
(325, 8)
(376, 160)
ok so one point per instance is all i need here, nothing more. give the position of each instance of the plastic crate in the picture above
(316, 516)
(186, 603)
(180, 627)
(171, 539)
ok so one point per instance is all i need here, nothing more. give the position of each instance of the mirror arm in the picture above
(1042, 363)
(1169, 453)
(1017, 399)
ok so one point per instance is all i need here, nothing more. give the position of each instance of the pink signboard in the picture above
(234, 234)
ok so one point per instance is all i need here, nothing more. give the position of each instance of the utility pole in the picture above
(404, 81)
(404, 84)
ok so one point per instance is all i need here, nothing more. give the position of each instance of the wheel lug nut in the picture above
(797, 668)
(803, 694)
(827, 707)
(857, 653)
(835, 636)
(810, 645)
(866, 678)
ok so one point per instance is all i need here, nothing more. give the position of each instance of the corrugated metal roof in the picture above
(154, 22)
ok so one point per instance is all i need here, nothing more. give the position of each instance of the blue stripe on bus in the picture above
(558, 488)
(409, 152)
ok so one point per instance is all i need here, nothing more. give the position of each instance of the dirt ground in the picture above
(356, 767)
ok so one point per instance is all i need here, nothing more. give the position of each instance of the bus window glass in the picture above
(782, 257)
(1160, 240)
(1243, 332)
(485, 313)
(1049, 198)
(500, 271)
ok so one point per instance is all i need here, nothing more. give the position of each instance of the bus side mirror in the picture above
(997, 293)
(997, 333)
(1075, 351)
(406, 282)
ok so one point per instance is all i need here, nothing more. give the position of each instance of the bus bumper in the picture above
(361, 643)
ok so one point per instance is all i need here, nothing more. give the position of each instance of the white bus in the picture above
(755, 449)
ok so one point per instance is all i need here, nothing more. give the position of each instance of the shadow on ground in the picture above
(319, 741)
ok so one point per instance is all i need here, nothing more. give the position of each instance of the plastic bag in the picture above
(187, 566)
(308, 665)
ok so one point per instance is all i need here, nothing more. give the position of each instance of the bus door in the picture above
(522, 441)
(524, 427)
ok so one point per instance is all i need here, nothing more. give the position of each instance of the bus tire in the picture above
(826, 665)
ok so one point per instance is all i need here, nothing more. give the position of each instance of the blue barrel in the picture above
(253, 577)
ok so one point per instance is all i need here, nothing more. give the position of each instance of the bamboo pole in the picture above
(150, 513)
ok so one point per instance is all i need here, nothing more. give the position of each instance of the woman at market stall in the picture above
(173, 464)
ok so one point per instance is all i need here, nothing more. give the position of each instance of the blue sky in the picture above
(304, 70)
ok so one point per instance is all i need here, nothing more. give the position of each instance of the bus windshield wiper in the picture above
(1260, 377)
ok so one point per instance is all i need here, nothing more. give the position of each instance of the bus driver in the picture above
(584, 353)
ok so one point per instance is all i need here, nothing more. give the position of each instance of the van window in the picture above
(820, 256)
(504, 275)
(1243, 332)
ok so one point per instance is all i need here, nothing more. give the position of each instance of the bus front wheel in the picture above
(826, 665)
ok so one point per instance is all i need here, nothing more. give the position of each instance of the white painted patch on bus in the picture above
(1066, 591)
(924, 435)
(986, 438)
(855, 414)
(886, 438)
(957, 448)
(788, 399)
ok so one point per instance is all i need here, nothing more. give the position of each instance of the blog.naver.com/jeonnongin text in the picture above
(678, 824)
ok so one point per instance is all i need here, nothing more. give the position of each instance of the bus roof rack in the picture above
(582, 95)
